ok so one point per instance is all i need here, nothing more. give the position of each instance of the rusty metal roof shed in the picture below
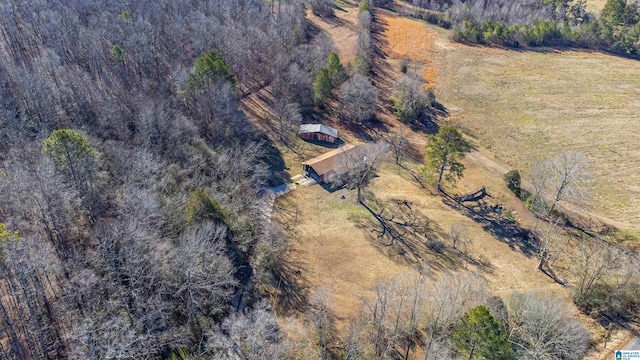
(318, 128)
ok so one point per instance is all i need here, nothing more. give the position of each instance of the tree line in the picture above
(605, 283)
(538, 23)
(452, 317)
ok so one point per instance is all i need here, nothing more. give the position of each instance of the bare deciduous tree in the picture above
(569, 171)
(407, 307)
(251, 335)
(271, 254)
(322, 7)
(411, 316)
(383, 314)
(399, 144)
(358, 98)
(595, 261)
(458, 235)
(287, 117)
(322, 319)
(354, 169)
(445, 303)
(547, 237)
(410, 98)
(130, 281)
(538, 178)
(203, 273)
(543, 327)
(364, 46)
(353, 343)
(562, 177)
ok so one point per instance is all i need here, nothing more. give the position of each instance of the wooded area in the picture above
(128, 233)
(536, 23)
(135, 219)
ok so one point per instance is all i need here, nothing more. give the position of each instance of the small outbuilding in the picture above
(321, 165)
(318, 132)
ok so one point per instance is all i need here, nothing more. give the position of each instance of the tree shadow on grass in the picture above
(411, 152)
(291, 288)
(277, 168)
(502, 228)
(311, 31)
(426, 125)
(359, 131)
(406, 234)
(378, 27)
(286, 285)
(380, 68)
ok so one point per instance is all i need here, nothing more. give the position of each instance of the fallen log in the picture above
(475, 196)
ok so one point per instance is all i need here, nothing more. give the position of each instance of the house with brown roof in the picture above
(321, 165)
(318, 132)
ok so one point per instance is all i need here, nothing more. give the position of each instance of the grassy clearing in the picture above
(595, 6)
(342, 29)
(338, 246)
(517, 107)
(525, 106)
(405, 38)
(521, 107)
(332, 251)
(503, 264)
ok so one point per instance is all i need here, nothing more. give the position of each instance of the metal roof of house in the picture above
(314, 128)
(324, 163)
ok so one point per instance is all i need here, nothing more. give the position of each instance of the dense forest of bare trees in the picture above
(508, 12)
(130, 176)
(538, 23)
(132, 218)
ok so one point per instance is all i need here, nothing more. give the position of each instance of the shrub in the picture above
(404, 64)
(513, 180)
(607, 301)
(118, 54)
(361, 65)
(322, 7)
(390, 252)
(410, 99)
(430, 97)
(436, 245)
(201, 207)
(509, 215)
(358, 98)
(365, 5)
(434, 18)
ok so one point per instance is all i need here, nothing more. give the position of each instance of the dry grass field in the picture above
(595, 6)
(337, 244)
(405, 38)
(516, 107)
(342, 29)
(331, 250)
(522, 107)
